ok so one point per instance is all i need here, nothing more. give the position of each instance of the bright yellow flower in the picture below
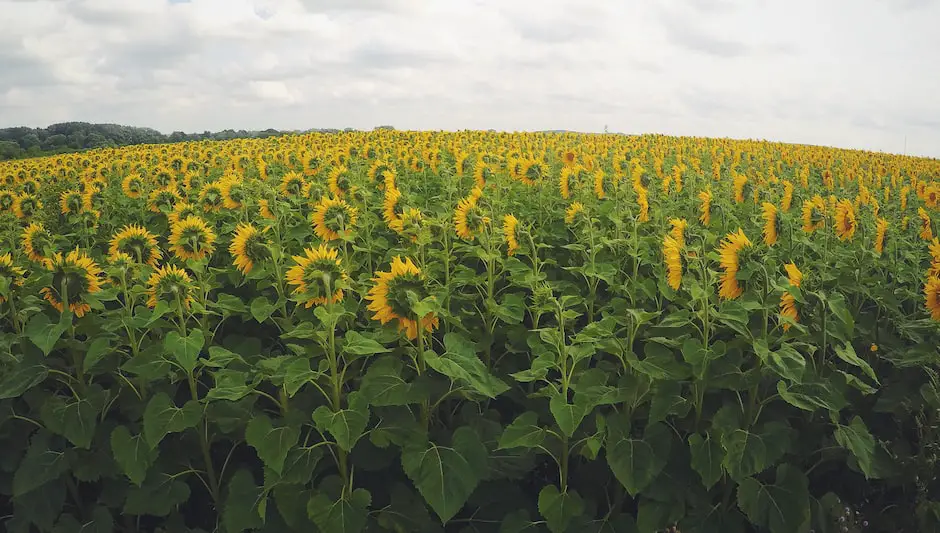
(932, 297)
(572, 211)
(168, 284)
(389, 297)
(12, 273)
(35, 240)
(71, 202)
(814, 214)
(787, 301)
(191, 238)
(334, 218)
(787, 196)
(672, 255)
(926, 231)
(315, 272)
(468, 217)
(729, 254)
(248, 247)
(509, 233)
(845, 223)
(705, 207)
(881, 231)
(137, 242)
(78, 275)
(771, 222)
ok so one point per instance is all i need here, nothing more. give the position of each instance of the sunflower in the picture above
(482, 172)
(934, 249)
(26, 205)
(672, 255)
(881, 231)
(170, 284)
(564, 181)
(572, 212)
(845, 222)
(163, 200)
(181, 211)
(926, 232)
(729, 252)
(932, 296)
(787, 196)
(7, 199)
(389, 297)
(137, 242)
(233, 191)
(292, 185)
(264, 210)
(771, 223)
(191, 238)
(29, 186)
(814, 214)
(599, 184)
(132, 185)
(313, 275)
(78, 275)
(71, 202)
(35, 242)
(92, 199)
(378, 169)
(705, 207)
(333, 218)
(568, 158)
(248, 247)
(644, 204)
(740, 181)
(119, 265)
(468, 217)
(210, 197)
(390, 208)
(787, 301)
(10, 272)
(509, 234)
(678, 230)
(339, 181)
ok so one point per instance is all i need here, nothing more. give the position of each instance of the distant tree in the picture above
(392, 128)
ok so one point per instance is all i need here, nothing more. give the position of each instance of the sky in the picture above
(848, 73)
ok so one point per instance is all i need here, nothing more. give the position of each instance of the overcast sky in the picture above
(852, 73)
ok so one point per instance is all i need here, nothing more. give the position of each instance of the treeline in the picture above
(22, 142)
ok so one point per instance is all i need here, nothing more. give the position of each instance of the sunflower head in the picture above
(469, 219)
(412, 224)
(211, 198)
(293, 185)
(71, 202)
(729, 253)
(672, 256)
(881, 235)
(392, 295)
(119, 266)
(574, 212)
(339, 181)
(135, 241)
(510, 224)
(170, 284)
(132, 185)
(771, 223)
(163, 200)
(7, 199)
(334, 219)
(318, 276)
(26, 206)
(844, 220)
(248, 247)
(234, 191)
(29, 186)
(11, 274)
(74, 277)
(191, 238)
(932, 297)
(926, 230)
(814, 214)
(37, 242)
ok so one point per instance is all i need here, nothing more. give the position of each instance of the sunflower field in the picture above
(470, 332)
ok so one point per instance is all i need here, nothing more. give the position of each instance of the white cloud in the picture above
(857, 73)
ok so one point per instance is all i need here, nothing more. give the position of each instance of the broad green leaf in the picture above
(559, 508)
(568, 416)
(297, 467)
(304, 330)
(232, 304)
(519, 521)
(706, 458)
(637, 462)
(185, 350)
(132, 454)
(847, 353)
(785, 361)
(446, 476)
(240, 511)
(512, 310)
(44, 333)
(158, 496)
(345, 425)
(148, 364)
(297, 373)
(162, 417)
(524, 432)
(811, 396)
(661, 363)
(655, 516)
(291, 502)
(25, 374)
(346, 515)
(97, 350)
(751, 452)
(383, 384)
(782, 507)
(39, 466)
(668, 400)
(355, 343)
(857, 439)
(461, 364)
(261, 308)
(838, 307)
(406, 512)
(73, 418)
(219, 357)
(272, 444)
(230, 385)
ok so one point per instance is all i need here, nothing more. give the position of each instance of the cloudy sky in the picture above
(853, 73)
